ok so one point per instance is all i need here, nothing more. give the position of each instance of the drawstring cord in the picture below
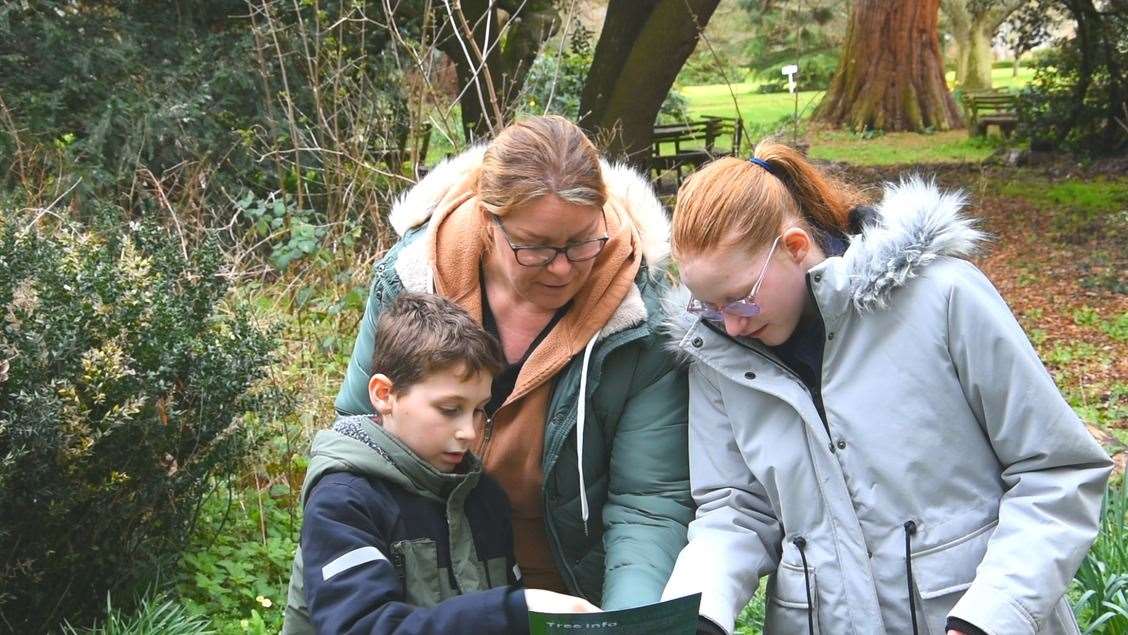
(801, 544)
(581, 416)
(910, 529)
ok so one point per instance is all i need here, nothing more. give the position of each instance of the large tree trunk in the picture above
(959, 20)
(977, 68)
(891, 75)
(974, 25)
(643, 45)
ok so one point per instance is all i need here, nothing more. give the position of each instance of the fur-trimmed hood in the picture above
(914, 224)
(624, 184)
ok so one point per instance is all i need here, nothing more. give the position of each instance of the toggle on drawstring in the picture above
(801, 544)
(581, 415)
(910, 529)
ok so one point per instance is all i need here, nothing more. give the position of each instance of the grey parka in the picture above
(944, 438)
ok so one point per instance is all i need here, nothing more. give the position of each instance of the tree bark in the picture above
(960, 21)
(643, 45)
(891, 74)
(977, 69)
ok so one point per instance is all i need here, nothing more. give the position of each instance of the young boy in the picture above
(402, 531)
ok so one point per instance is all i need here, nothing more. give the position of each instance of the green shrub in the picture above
(118, 85)
(555, 83)
(1102, 581)
(155, 106)
(706, 68)
(237, 566)
(127, 383)
(154, 616)
(751, 619)
(815, 73)
(1077, 100)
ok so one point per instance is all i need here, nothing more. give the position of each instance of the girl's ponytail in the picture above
(822, 201)
(737, 200)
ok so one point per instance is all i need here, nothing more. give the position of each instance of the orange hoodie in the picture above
(513, 450)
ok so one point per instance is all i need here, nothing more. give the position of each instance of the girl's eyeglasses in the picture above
(745, 307)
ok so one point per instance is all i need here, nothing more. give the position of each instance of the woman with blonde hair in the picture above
(559, 254)
(869, 426)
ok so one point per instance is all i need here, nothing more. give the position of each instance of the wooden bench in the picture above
(990, 108)
(676, 148)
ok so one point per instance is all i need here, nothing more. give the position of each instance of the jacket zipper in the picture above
(558, 548)
(552, 455)
(487, 434)
(819, 408)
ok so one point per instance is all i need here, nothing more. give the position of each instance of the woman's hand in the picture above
(543, 601)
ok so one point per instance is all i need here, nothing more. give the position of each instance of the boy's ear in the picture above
(380, 393)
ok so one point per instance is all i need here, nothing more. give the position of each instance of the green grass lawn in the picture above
(899, 148)
(755, 108)
(765, 114)
(1001, 78)
(762, 109)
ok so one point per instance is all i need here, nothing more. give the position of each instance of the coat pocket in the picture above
(944, 572)
(787, 608)
(417, 561)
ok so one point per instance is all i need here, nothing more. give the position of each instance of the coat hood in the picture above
(360, 446)
(416, 206)
(915, 223)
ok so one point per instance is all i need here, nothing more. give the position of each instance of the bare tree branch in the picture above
(457, 17)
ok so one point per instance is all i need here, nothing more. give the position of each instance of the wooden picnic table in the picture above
(676, 148)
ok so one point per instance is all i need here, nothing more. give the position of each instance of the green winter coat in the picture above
(634, 432)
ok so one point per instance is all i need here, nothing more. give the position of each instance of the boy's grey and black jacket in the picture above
(947, 477)
(391, 545)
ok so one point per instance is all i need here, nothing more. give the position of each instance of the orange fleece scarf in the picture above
(513, 451)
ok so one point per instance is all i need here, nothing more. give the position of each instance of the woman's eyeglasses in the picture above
(745, 307)
(541, 255)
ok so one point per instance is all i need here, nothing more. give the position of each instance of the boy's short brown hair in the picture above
(420, 333)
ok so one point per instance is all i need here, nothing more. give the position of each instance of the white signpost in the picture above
(791, 70)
